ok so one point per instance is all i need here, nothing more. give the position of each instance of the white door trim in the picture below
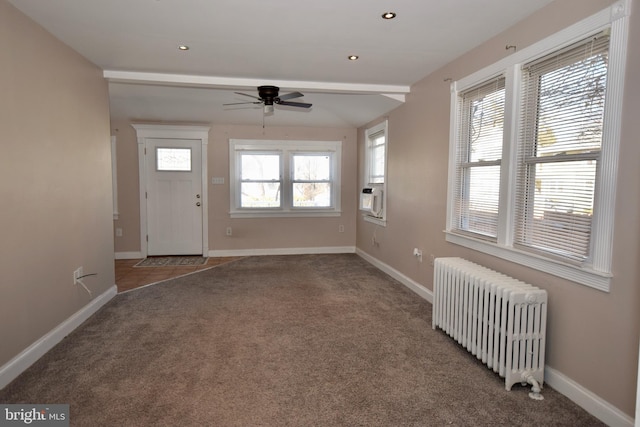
(144, 132)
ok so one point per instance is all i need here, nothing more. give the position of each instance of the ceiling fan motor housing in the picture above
(268, 93)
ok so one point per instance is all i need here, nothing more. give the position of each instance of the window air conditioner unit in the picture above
(371, 201)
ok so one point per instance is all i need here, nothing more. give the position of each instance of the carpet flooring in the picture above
(309, 340)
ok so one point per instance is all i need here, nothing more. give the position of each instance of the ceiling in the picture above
(237, 45)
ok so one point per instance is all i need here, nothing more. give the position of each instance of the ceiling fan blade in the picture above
(239, 103)
(295, 104)
(290, 96)
(246, 94)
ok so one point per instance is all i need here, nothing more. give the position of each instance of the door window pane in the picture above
(173, 159)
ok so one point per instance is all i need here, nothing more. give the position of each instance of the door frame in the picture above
(149, 131)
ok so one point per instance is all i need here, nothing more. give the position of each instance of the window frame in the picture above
(596, 272)
(382, 127)
(286, 150)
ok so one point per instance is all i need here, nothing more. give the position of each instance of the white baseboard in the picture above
(408, 282)
(584, 398)
(283, 251)
(129, 255)
(593, 404)
(17, 365)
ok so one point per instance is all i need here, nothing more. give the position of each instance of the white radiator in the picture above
(500, 320)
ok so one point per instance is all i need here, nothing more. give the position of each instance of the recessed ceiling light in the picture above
(353, 57)
(183, 47)
(388, 15)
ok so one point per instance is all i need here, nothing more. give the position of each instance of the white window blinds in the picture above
(479, 153)
(559, 149)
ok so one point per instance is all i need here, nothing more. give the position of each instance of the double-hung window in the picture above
(260, 179)
(559, 147)
(376, 154)
(284, 178)
(375, 167)
(311, 180)
(480, 152)
(534, 148)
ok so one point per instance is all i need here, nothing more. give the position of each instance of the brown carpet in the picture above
(311, 340)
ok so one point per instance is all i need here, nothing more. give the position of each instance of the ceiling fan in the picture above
(268, 96)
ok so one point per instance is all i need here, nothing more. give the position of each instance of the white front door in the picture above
(174, 196)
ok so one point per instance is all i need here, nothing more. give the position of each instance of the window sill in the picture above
(584, 276)
(284, 214)
(372, 219)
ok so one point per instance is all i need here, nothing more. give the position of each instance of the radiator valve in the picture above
(535, 386)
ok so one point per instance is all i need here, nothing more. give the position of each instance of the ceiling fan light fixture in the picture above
(268, 108)
(388, 15)
(353, 57)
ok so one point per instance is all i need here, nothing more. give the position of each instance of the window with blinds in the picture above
(533, 156)
(376, 154)
(376, 142)
(562, 116)
(480, 139)
(377, 157)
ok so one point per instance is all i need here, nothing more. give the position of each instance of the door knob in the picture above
(198, 204)
(197, 196)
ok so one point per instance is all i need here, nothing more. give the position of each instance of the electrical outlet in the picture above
(432, 259)
(77, 274)
(229, 231)
(118, 232)
(341, 228)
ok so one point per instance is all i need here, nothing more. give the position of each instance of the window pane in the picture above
(562, 208)
(571, 108)
(485, 122)
(260, 194)
(260, 167)
(312, 195)
(311, 168)
(173, 159)
(479, 213)
(377, 164)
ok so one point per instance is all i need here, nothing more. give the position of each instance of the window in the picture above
(285, 178)
(480, 153)
(533, 153)
(376, 154)
(260, 180)
(559, 149)
(311, 180)
(375, 165)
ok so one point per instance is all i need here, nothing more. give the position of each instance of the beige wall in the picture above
(248, 234)
(55, 189)
(592, 335)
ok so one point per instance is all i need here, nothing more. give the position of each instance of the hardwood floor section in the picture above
(130, 277)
